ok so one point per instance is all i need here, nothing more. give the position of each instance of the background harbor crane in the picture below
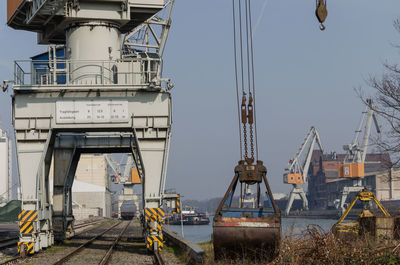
(297, 170)
(353, 164)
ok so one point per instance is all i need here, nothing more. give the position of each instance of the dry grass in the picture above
(314, 246)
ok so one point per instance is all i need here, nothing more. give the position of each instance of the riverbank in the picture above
(315, 246)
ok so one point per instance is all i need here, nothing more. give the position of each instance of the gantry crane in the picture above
(353, 164)
(128, 177)
(297, 170)
(94, 93)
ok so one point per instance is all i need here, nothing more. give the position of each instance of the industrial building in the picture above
(5, 168)
(91, 195)
(325, 186)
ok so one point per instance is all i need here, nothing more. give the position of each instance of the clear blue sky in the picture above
(304, 78)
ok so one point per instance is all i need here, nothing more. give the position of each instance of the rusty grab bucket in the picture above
(235, 237)
(247, 232)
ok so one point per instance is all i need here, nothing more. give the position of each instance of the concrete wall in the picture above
(388, 184)
(85, 213)
(100, 200)
(93, 169)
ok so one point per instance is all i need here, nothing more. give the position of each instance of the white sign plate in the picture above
(92, 111)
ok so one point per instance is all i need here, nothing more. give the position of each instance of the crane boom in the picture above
(307, 162)
(371, 116)
(294, 168)
(353, 164)
(113, 165)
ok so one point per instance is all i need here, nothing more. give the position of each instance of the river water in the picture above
(290, 226)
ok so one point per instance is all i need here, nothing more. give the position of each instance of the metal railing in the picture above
(135, 72)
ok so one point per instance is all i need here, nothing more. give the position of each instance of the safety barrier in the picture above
(195, 252)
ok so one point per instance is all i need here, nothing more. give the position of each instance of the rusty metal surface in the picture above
(12, 6)
(251, 237)
(377, 227)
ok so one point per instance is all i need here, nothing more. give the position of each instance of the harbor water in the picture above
(290, 226)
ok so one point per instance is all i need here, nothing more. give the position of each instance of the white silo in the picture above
(5, 168)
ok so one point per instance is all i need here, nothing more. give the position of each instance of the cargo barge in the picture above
(189, 216)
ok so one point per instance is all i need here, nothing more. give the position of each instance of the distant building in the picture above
(91, 195)
(325, 186)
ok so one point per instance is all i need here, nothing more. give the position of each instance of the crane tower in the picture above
(97, 89)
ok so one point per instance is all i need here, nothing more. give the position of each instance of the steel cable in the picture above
(249, 77)
(242, 75)
(253, 80)
(246, 111)
(236, 76)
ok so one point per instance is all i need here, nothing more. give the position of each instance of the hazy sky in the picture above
(304, 77)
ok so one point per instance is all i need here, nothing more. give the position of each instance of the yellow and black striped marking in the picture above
(177, 210)
(26, 219)
(151, 239)
(26, 228)
(28, 247)
(28, 216)
(154, 214)
(157, 229)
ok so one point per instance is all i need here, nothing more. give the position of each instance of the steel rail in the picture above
(75, 251)
(8, 242)
(107, 256)
(88, 223)
(10, 261)
(158, 259)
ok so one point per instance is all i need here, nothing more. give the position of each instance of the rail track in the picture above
(13, 241)
(158, 259)
(87, 243)
(8, 242)
(105, 244)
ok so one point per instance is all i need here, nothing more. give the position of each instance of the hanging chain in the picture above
(248, 119)
(244, 122)
(251, 121)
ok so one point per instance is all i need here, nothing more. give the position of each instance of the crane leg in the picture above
(343, 199)
(297, 189)
(303, 197)
(290, 201)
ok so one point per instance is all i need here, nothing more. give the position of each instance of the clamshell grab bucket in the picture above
(247, 232)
